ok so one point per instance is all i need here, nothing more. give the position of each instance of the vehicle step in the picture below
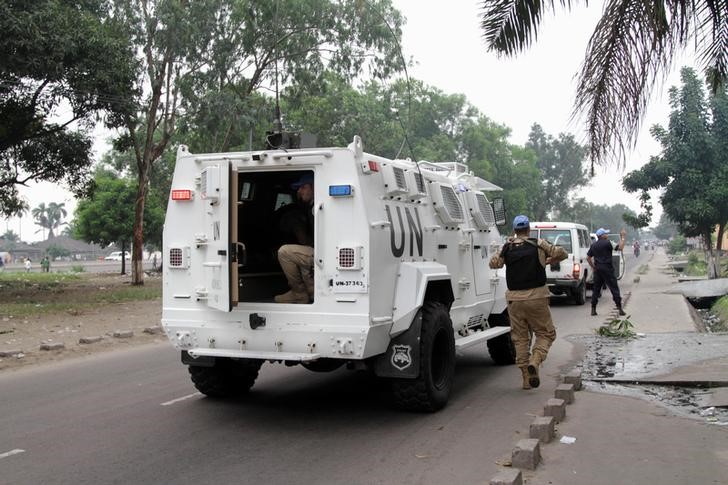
(481, 336)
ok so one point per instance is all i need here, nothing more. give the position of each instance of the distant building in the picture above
(78, 250)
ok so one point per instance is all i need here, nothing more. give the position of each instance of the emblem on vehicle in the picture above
(401, 357)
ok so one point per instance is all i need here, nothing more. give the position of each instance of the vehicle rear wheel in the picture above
(227, 378)
(431, 389)
(580, 294)
(501, 348)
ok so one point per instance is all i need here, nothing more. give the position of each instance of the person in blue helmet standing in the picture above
(599, 258)
(525, 260)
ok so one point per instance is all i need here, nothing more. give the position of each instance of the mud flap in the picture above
(402, 358)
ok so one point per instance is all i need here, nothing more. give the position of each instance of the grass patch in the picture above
(618, 328)
(28, 294)
(116, 295)
(720, 308)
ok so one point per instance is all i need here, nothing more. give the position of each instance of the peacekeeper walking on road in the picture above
(599, 258)
(528, 297)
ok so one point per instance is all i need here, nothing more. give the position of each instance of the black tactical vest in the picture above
(523, 268)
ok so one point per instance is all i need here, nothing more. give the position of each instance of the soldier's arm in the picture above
(497, 261)
(554, 254)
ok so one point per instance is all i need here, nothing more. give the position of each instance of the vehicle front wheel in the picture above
(431, 389)
(227, 378)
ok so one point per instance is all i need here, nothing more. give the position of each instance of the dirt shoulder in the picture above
(74, 308)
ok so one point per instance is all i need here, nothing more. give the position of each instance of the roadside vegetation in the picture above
(618, 328)
(29, 294)
(720, 309)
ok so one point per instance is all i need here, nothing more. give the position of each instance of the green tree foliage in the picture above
(693, 166)
(560, 162)
(439, 128)
(198, 57)
(665, 229)
(107, 217)
(594, 216)
(55, 251)
(632, 46)
(62, 64)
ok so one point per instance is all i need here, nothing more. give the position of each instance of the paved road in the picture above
(133, 417)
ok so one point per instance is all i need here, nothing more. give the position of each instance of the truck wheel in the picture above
(431, 389)
(501, 348)
(227, 378)
(580, 294)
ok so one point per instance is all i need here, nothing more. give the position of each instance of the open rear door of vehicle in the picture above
(220, 262)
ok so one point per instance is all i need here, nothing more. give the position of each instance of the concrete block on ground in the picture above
(573, 377)
(565, 392)
(90, 340)
(542, 429)
(507, 477)
(526, 454)
(155, 330)
(52, 346)
(123, 333)
(10, 353)
(556, 408)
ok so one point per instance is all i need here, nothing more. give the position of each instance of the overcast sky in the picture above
(538, 86)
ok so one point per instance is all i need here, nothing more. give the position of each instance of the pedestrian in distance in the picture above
(525, 260)
(45, 264)
(28, 265)
(296, 255)
(599, 258)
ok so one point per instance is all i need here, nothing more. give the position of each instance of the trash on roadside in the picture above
(708, 411)
(568, 440)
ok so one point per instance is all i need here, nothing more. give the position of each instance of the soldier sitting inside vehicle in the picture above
(296, 257)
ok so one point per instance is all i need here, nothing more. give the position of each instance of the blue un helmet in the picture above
(520, 222)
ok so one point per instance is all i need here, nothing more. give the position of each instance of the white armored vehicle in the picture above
(400, 269)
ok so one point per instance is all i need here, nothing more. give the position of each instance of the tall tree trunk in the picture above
(123, 256)
(137, 255)
(709, 256)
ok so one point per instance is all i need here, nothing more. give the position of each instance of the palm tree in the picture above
(633, 45)
(49, 217)
(55, 214)
(39, 214)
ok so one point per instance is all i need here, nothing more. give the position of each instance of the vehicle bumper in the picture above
(562, 283)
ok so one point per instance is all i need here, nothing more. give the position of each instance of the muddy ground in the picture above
(635, 367)
(84, 312)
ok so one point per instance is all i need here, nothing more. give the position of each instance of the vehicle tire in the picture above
(323, 365)
(227, 378)
(580, 294)
(431, 389)
(501, 348)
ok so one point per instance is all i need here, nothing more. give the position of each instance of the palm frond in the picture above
(712, 41)
(510, 26)
(632, 44)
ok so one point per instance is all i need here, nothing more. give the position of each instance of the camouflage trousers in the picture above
(531, 317)
(297, 264)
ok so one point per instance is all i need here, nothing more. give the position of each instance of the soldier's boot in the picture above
(526, 383)
(297, 293)
(594, 311)
(619, 309)
(292, 296)
(532, 369)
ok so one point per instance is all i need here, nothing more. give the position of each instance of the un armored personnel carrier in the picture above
(400, 269)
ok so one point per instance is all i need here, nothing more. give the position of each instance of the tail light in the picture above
(577, 271)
